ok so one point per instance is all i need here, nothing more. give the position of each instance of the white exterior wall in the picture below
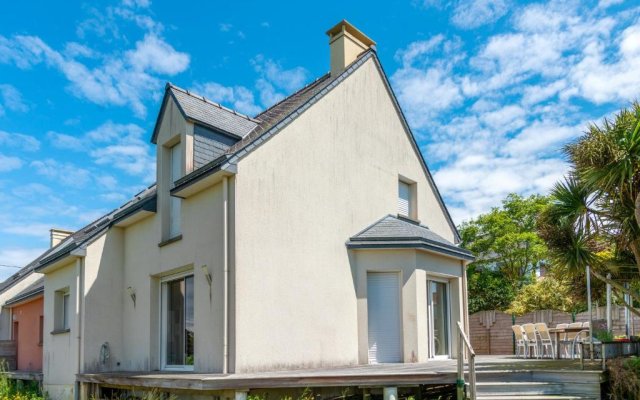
(299, 197)
(60, 351)
(103, 301)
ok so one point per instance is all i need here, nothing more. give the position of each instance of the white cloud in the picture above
(238, 98)
(125, 149)
(493, 120)
(27, 229)
(65, 142)
(154, 54)
(273, 84)
(18, 257)
(19, 141)
(9, 163)
(599, 80)
(65, 173)
(225, 27)
(11, 99)
(470, 14)
(137, 3)
(120, 79)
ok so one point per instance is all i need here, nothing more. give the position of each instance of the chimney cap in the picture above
(344, 25)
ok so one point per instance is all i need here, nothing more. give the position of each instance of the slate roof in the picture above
(206, 112)
(33, 290)
(394, 232)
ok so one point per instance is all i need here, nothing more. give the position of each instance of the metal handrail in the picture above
(463, 341)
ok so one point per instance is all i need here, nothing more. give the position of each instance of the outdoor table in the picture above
(558, 331)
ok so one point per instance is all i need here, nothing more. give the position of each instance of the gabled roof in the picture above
(30, 292)
(398, 232)
(273, 119)
(146, 200)
(198, 109)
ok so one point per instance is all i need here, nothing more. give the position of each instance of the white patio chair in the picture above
(532, 339)
(571, 339)
(521, 340)
(562, 339)
(545, 339)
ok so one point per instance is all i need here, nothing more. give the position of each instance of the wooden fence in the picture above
(490, 331)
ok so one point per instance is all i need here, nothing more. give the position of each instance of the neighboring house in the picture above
(27, 320)
(21, 313)
(310, 235)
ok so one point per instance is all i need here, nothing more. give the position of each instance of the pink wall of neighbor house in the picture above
(28, 317)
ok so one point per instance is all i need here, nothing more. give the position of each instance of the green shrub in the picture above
(624, 378)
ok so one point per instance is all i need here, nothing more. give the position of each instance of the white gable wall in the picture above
(299, 197)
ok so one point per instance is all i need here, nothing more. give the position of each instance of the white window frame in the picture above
(412, 209)
(66, 303)
(163, 321)
(175, 203)
(62, 310)
(447, 283)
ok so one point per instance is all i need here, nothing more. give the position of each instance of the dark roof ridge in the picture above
(213, 103)
(302, 89)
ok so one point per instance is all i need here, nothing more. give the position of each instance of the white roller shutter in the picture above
(383, 307)
(404, 194)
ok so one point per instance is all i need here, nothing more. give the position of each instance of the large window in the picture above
(178, 334)
(174, 205)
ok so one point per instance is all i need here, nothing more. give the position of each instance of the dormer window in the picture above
(407, 199)
(175, 159)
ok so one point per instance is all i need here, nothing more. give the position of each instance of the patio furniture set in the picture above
(535, 340)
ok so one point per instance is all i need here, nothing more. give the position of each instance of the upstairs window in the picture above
(406, 199)
(175, 159)
(62, 312)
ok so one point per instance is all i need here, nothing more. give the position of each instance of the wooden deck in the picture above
(433, 372)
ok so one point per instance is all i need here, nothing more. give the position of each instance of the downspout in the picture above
(225, 260)
(80, 317)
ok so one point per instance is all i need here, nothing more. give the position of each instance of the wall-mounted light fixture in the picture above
(132, 294)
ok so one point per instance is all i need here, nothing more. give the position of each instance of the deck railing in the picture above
(463, 342)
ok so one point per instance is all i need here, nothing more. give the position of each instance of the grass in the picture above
(12, 390)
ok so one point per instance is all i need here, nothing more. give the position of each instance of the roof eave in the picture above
(203, 177)
(25, 298)
(60, 260)
(395, 243)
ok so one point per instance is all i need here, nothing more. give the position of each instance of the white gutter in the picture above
(225, 258)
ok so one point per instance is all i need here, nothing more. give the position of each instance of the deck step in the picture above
(522, 388)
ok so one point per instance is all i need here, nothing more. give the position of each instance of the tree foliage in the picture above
(505, 239)
(488, 290)
(507, 249)
(593, 216)
(548, 293)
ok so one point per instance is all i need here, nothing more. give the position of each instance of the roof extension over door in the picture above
(395, 232)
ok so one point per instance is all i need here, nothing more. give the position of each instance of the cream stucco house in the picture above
(309, 236)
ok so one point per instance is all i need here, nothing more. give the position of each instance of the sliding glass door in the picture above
(177, 316)
(439, 321)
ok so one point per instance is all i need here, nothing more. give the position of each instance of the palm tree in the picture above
(594, 216)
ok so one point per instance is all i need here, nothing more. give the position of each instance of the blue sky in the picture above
(492, 89)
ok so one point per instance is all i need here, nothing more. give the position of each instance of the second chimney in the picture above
(58, 235)
(346, 43)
